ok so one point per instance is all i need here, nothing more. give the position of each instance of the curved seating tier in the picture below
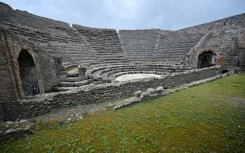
(110, 72)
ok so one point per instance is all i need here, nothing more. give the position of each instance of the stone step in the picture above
(73, 79)
(72, 75)
(82, 83)
(66, 84)
(63, 88)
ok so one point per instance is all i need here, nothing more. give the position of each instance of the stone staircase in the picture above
(72, 81)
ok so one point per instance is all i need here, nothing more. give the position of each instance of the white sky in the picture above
(132, 14)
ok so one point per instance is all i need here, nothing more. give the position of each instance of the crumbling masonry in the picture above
(65, 65)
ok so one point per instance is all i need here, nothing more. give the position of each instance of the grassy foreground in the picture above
(206, 118)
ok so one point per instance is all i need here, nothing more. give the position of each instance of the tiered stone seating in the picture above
(110, 72)
(105, 42)
(174, 46)
(55, 37)
(108, 54)
(157, 45)
(72, 81)
(73, 53)
(139, 44)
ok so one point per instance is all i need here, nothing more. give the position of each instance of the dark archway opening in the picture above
(28, 73)
(206, 59)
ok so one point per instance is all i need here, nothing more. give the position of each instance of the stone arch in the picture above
(28, 73)
(206, 59)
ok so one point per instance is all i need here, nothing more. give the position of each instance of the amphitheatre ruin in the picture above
(48, 64)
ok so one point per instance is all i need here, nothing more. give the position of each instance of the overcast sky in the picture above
(132, 14)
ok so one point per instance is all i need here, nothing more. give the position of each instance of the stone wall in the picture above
(226, 39)
(8, 90)
(233, 22)
(49, 71)
(46, 69)
(98, 93)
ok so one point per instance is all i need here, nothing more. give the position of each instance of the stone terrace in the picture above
(105, 42)
(139, 44)
(157, 45)
(55, 37)
(172, 47)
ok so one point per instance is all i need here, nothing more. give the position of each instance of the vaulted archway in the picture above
(206, 59)
(28, 73)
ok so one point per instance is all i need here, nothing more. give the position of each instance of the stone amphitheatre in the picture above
(48, 64)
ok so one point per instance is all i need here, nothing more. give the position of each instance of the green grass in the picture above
(205, 118)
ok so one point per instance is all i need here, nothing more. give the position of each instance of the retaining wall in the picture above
(42, 104)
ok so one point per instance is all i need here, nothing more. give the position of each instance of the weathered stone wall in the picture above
(48, 70)
(98, 93)
(45, 66)
(226, 39)
(105, 42)
(241, 58)
(233, 22)
(8, 90)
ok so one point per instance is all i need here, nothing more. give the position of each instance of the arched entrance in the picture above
(206, 59)
(28, 73)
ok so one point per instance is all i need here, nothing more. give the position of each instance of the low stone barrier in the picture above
(159, 91)
(89, 94)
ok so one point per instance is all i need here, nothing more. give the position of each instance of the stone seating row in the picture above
(105, 72)
(105, 42)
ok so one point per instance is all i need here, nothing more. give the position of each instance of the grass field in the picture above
(205, 118)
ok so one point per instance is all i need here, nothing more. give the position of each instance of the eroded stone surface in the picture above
(95, 58)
